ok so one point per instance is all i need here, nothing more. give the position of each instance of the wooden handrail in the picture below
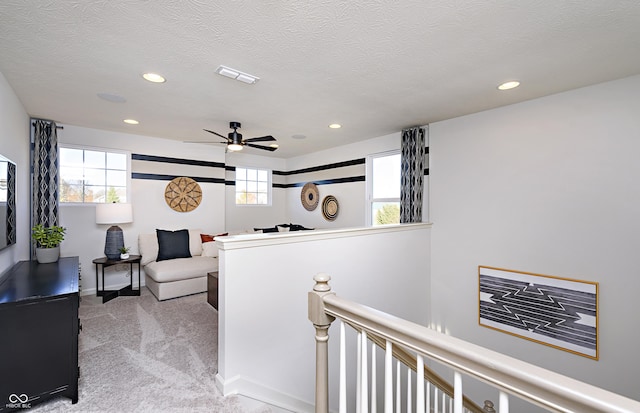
(534, 384)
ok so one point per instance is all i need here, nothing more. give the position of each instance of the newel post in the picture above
(321, 322)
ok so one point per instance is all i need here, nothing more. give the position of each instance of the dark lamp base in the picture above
(113, 243)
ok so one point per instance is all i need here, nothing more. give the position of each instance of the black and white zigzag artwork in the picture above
(555, 311)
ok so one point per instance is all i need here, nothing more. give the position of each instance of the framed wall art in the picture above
(555, 311)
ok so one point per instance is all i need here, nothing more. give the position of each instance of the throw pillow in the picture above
(206, 237)
(209, 249)
(173, 244)
(265, 230)
(296, 227)
(209, 238)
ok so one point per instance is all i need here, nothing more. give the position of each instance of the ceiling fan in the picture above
(235, 142)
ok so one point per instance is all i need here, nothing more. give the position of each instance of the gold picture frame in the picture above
(555, 311)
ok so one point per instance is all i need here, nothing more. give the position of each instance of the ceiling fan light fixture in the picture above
(234, 147)
(237, 75)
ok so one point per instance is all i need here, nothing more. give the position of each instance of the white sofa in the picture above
(176, 277)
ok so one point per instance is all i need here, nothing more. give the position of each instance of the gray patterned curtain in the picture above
(412, 170)
(45, 174)
(11, 204)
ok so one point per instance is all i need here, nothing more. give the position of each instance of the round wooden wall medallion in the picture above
(183, 194)
(309, 196)
(330, 208)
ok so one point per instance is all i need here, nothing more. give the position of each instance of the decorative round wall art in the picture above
(330, 208)
(183, 194)
(309, 196)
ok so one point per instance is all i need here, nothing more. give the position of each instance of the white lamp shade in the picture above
(114, 213)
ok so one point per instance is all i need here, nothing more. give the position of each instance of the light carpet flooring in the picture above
(137, 354)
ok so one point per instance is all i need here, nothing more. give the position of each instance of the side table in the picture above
(108, 295)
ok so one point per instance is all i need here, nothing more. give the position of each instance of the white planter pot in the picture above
(47, 255)
(124, 256)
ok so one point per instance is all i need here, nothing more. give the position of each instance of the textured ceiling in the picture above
(374, 66)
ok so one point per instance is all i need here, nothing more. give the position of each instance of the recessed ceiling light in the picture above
(131, 121)
(154, 77)
(274, 145)
(335, 126)
(509, 85)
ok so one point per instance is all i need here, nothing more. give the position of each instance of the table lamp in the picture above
(113, 214)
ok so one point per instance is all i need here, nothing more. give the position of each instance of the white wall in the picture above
(548, 186)
(351, 196)
(266, 346)
(150, 211)
(14, 144)
(247, 217)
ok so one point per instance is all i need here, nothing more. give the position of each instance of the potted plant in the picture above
(48, 241)
(124, 253)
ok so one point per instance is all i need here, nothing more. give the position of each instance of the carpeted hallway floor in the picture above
(137, 354)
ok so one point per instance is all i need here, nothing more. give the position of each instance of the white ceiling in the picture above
(374, 66)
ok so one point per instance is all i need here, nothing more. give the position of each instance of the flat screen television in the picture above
(7, 202)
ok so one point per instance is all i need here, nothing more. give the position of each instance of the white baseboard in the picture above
(257, 391)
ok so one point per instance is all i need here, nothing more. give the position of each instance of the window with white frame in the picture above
(93, 176)
(253, 186)
(383, 188)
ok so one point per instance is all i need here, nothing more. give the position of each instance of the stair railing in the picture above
(547, 389)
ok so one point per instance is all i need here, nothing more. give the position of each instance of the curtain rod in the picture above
(57, 126)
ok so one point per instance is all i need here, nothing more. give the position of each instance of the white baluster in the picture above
(343, 370)
(365, 375)
(444, 402)
(503, 406)
(419, 384)
(398, 400)
(409, 402)
(374, 401)
(359, 373)
(428, 402)
(435, 399)
(388, 378)
(457, 392)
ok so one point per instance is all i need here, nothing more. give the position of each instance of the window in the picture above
(253, 186)
(93, 176)
(383, 188)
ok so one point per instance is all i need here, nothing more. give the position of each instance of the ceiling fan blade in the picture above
(204, 142)
(266, 148)
(217, 134)
(261, 139)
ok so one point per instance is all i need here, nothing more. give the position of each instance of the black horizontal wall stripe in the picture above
(164, 159)
(160, 177)
(348, 179)
(322, 167)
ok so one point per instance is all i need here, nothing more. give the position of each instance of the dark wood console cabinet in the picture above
(39, 328)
